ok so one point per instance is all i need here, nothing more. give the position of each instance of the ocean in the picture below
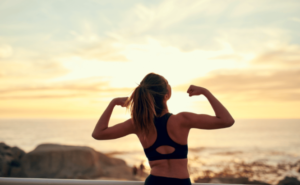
(261, 149)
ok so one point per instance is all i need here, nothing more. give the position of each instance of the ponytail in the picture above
(146, 102)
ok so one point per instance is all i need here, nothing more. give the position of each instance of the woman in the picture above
(163, 135)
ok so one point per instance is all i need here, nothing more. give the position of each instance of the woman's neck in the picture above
(165, 111)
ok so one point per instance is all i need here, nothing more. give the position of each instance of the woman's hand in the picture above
(120, 101)
(196, 90)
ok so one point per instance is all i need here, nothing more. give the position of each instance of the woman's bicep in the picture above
(116, 131)
(201, 121)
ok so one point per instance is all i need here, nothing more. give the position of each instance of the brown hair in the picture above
(146, 102)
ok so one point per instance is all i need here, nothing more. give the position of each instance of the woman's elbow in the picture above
(95, 136)
(229, 123)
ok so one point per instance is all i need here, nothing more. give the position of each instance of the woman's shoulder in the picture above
(186, 116)
(184, 119)
(181, 115)
(178, 118)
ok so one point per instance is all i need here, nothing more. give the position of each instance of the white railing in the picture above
(38, 181)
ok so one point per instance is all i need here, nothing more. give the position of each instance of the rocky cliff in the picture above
(61, 161)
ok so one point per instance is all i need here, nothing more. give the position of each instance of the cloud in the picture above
(41, 96)
(251, 85)
(273, 75)
(31, 68)
(90, 45)
(5, 51)
(296, 19)
(288, 56)
(102, 51)
(227, 57)
(199, 24)
(89, 87)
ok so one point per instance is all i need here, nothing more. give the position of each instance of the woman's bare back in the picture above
(175, 168)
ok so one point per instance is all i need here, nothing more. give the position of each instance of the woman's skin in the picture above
(178, 127)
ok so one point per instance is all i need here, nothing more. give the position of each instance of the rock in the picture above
(232, 180)
(258, 182)
(229, 180)
(17, 153)
(16, 172)
(3, 148)
(61, 161)
(9, 157)
(237, 180)
(202, 180)
(214, 181)
(289, 181)
(4, 166)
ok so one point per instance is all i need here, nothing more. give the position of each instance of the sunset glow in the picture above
(68, 59)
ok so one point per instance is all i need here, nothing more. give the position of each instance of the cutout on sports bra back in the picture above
(165, 149)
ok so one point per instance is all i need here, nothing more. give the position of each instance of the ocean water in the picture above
(262, 149)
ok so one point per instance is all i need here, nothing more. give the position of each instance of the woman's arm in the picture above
(222, 119)
(220, 111)
(103, 121)
(103, 132)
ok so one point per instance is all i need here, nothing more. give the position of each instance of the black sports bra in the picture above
(163, 138)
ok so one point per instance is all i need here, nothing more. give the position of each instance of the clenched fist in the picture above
(120, 101)
(196, 90)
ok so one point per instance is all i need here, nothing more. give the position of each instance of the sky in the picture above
(69, 59)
